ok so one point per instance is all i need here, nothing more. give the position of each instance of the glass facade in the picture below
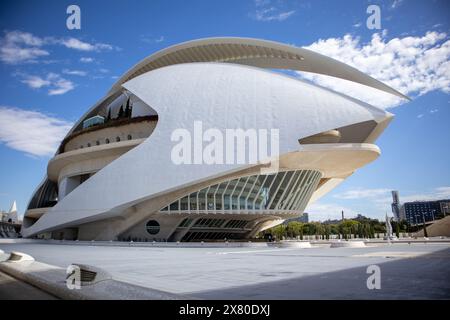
(282, 191)
(45, 196)
(95, 120)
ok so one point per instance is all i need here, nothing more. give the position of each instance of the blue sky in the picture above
(50, 75)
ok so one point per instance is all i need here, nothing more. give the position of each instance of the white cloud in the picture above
(86, 59)
(438, 193)
(412, 65)
(12, 54)
(272, 14)
(26, 38)
(74, 43)
(259, 3)
(396, 4)
(57, 85)
(23, 47)
(267, 11)
(362, 193)
(35, 82)
(149, 39)
(325, 211)
(419, 116)
(75, 72)
(30, 131)
(357, 25)
(434, 111)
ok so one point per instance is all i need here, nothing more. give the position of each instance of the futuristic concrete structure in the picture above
(114, 178)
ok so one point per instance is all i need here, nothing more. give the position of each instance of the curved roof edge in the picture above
(255, 52)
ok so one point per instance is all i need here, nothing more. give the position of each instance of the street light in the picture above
(425, 233)
(445, 207)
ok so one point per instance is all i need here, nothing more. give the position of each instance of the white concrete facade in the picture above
(132, 190)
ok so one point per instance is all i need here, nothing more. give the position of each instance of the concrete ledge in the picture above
(348, 244)
(290, 244)
(52, 280)
(247, 244)
(16, 257)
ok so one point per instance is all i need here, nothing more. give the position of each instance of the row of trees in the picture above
(361, 228)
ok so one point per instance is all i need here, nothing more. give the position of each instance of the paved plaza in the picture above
(408, 271)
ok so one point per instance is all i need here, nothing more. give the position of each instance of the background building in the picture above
(10, 222)
(10, 216)
(419, 211)
(396, 206)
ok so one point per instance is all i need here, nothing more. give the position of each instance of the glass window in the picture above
(152, 227)
(210, 197)
(281, 187)
(282, 191)
(219, 194)
(201, 199)
(174, 206)
(184, 203)
(263, 196)
(193, 199)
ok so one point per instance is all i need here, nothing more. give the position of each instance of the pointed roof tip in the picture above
(13, 207)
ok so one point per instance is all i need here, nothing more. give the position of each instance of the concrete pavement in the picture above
(416, 271)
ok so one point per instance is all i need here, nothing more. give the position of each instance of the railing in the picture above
(108, 124)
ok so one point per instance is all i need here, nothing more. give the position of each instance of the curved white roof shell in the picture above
(253, 52)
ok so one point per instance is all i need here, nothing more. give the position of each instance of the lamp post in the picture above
(445, 208)
(425, 233)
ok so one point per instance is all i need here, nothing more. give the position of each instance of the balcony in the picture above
(111, 123)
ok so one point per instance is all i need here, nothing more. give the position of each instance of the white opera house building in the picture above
(113, 176)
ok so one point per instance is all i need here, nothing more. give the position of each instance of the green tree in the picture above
(295, 228)
(327, 232)
(278, 231)
(371, 231)
(397, 230)
(127, 113)
(121, 113)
